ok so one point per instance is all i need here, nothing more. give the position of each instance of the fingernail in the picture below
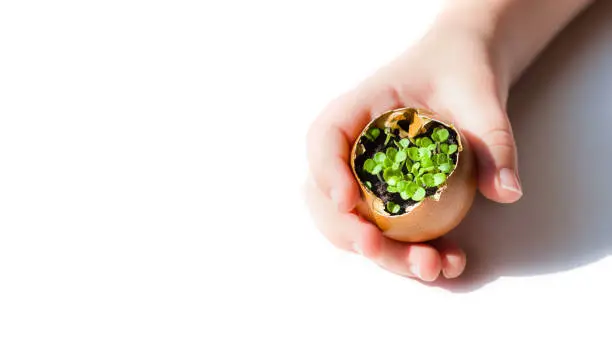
(450, 276)
(509, 180)
(446, 274)
(415, 269)
(356, 248)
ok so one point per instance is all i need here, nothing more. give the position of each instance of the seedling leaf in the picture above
(426, 169)
(417, 180)
(387, 163)
(419, 194)
(402, 185)
(426, 162)
(388, 173)
(377, 169)
(444, 148)
(391, 152)
(442, 135)
(393, 208)
(380, 157)
(439, 178)
(424, 152)
(369, 165)
(440, 159)
(409, 164)
(392, 189)
(374, 132)
(446, 167)
(413, 153)
(425, 142)
(393, 180)
(428, 180)
(400, 156)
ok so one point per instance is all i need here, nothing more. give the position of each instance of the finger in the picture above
(331, 137)
(407, 259)
(329, 142)
(453, 258)
(483, 119)
(351, 232)
(339, 228)
(495, 149)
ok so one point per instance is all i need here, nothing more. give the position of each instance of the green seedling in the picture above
(389, 135)
(440, 135)
(410, 167)
(419, 194)
(393, 208)
(372, 134)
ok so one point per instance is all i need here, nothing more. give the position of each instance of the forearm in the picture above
(517, 30)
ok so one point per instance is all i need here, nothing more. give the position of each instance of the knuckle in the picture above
(498, 137)
(321, 126)
(314, 137)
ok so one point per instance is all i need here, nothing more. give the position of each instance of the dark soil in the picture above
(380, 188)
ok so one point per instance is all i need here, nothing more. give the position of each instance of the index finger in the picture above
(329, 143)
(332, 135)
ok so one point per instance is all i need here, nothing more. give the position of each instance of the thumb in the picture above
(488, 130)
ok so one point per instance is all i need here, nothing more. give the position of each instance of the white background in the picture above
(147, 195)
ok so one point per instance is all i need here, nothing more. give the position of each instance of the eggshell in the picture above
(435, 215)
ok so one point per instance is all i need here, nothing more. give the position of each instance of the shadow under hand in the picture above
(561, 112)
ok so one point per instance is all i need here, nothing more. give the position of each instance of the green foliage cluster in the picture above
(427, 160)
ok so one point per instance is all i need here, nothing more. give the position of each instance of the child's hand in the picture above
(462, 69)
(450, 72)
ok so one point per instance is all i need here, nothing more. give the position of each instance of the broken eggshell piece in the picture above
(435, 215)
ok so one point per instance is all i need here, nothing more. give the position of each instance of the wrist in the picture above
(476, 16)
(515, 31)
(480, 21)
